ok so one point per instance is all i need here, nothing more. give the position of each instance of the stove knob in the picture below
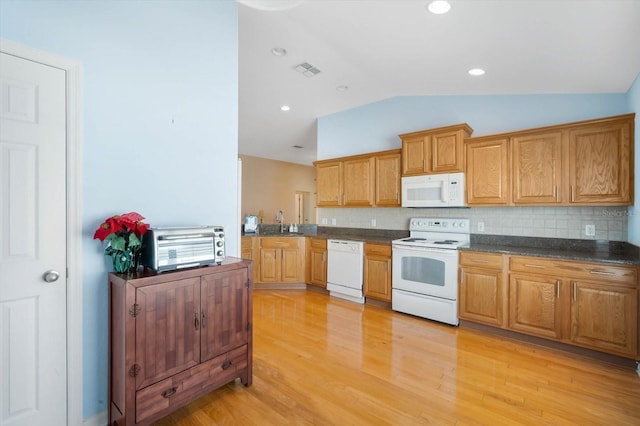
(462, 225)
(455, 224)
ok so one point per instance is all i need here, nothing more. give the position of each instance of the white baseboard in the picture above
(99, 419)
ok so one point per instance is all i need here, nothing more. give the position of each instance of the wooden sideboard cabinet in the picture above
(176, 336)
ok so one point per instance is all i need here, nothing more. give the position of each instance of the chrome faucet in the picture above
(280, 218)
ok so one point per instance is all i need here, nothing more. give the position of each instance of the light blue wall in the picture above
(634, 211)
(376, 126)
(145, 64)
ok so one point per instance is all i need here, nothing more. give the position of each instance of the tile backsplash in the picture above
(562, 222)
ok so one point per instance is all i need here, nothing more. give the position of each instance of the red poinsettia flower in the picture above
(121, 226)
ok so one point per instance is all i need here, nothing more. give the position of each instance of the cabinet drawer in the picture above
(178, 390)
(483, 260)
(319, 243)
(287, 242)
(578, 270)
(377, 249)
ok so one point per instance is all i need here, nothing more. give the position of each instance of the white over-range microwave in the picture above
(442, 190)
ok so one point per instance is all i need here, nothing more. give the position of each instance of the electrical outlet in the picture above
(334, 222)
(324, 221)
(373, 223)
(480, 226)
(590, 230)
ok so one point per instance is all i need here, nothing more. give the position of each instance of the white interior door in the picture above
(33, 351)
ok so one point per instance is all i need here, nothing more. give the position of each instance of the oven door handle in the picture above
(422, 250)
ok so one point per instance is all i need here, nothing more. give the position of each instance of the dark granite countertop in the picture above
(618, 252)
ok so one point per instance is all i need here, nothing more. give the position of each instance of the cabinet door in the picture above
(291, 268)
(447, 152)
(246, 245)
(534, 305)
(167, 329)
(415, 155)
(318, 266)
(377, 274)
(387, 178)
(487, 177)
(270, 264)
(329, 184)
(604, 316)
(537, 168)
(600, 164)
(224, 312)
(482, 296)
(358, 182)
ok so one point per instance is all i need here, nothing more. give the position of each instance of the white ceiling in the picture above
(386, 48)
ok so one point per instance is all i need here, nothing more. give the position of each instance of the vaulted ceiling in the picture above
(370, 50)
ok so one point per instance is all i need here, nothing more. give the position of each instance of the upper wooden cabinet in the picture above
(366, 180)
(488, 175)
(601, 162)
(358, 183)
(328, 183)
(387, 179)
(583, 163)
(537, 168)
(438, 150)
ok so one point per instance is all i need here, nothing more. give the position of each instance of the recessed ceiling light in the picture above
(279, 51)
(342, 88)
(476, 71)
(439, 7)
(285, 107)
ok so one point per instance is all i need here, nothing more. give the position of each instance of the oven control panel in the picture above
(439, 225)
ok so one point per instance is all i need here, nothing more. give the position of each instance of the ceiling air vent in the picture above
(307, 69)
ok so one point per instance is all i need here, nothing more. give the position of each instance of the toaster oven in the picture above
(166, 249)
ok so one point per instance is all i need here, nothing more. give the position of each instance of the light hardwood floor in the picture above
(324, 361)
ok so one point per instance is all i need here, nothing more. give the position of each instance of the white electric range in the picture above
(425, 268)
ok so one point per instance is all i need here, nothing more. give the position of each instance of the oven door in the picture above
(426, 271)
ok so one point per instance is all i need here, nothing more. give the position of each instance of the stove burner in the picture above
(413, 240)
(445, 242)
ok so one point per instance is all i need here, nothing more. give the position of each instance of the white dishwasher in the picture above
(344, 269)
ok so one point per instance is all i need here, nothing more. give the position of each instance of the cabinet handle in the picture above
(555, 191)
(226, 364)
(573, 193)
(575, 291)
(196, 321)
(533, 266)
(204, 318)
(558, 289)
(479, 261)
(596, 272)
(169, 392)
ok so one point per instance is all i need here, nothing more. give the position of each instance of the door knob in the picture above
(51, 276)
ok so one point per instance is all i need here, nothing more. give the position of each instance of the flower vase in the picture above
(126, 261)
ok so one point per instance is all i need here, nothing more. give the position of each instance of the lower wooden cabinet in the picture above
(587, 304)
(176, 336)
(604, 316)
(535, 305)
(281, 260)
(482, 293)
(317, 262)
(246, 247)
(377, 271)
